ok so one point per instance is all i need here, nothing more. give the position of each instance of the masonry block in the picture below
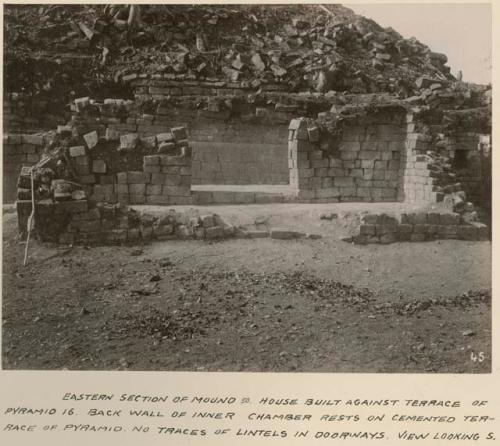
(158, 178)
(138, 177)
(77, 151)
(179, 133)
(152, 169)
(74, 206)
(137, 188)
(98, 166)
(91, 139)
(157, 199)
(176, 191)
(36, 140)
(129, 141)
(152, 160)
(86, 179)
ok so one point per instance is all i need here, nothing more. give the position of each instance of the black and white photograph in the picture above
(301, 188)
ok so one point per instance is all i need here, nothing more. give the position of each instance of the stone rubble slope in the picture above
(303, 47)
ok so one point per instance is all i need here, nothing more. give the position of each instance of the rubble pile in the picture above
(304, 47)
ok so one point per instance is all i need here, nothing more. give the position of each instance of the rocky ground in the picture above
(248, 305)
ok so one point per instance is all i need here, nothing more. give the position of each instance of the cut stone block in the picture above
(36, 140)
(165, 137)
(179, 133)
(86, 179)
(166, 147)
(77, 151)
(214, 232)
(207, 221)
(152, 169)
(137, 189)
(64, 130)
(91, 139)
(82, 169)
(129, 141)
(98, 166)
(256, 234)
(112, 134)
(81, 103)
(151, 160)
(284, 234)
(74, 206)
(138, 177)
(149, 142)
(174, 160)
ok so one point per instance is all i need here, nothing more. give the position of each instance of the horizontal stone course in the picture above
(417, 227)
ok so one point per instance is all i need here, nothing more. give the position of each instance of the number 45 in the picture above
(477, 358)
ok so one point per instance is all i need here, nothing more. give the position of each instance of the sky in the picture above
(461, 31)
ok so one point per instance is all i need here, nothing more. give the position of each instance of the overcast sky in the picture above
(461, 31)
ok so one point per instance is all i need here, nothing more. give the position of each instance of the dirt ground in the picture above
(249, 305)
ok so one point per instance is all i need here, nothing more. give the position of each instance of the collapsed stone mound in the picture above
(301, 47)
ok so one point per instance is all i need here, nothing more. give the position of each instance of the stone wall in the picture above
(391, 151)
(23, 113)
(236, 139)
(159, 86)
(359, 161)
(239, 163)
(81, 222)
(18, 150)
(79, 170)
(418, 227)
(417, 174)
(233, 142)
(164, 179)
(366, 148)
(448, 156)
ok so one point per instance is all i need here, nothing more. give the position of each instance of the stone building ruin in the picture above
(263, 123)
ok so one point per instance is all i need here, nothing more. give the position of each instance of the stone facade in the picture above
(23, 113)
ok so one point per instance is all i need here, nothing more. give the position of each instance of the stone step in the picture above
(257, 194)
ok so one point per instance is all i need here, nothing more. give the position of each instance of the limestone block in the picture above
(151, 160)
(152, 169)
(36, 140)
(284, 234)
(98, 166)
(77, 151)
(91, 139)
(136, 177)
